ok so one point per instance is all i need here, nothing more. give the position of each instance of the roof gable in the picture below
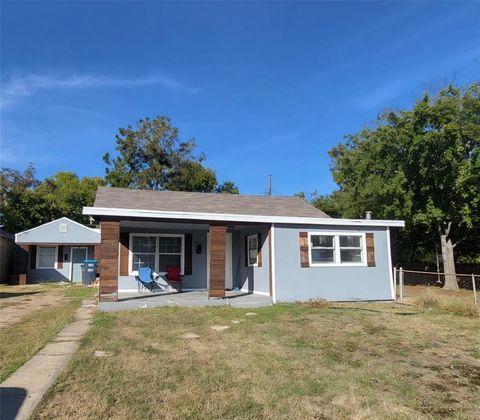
(60, 231)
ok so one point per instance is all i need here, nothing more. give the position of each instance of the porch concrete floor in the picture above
(128, 301)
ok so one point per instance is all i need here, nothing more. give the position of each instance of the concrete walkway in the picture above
(23, 390)
(128, 301)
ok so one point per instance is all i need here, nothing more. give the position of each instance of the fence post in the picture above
(401, 284)
(395, 281)
(474, 291)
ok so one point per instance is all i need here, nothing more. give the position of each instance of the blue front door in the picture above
(78, 256)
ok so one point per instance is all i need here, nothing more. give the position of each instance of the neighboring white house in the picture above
(57, 250)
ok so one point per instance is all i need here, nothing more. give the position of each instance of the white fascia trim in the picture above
(224, 217)
(46, 243)
(97, 231)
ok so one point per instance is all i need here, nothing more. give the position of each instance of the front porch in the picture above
(227, 261)
(131, 300)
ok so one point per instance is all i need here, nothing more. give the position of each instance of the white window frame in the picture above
(37, 259)
(248, 250)
(157, 253)
(336, 249)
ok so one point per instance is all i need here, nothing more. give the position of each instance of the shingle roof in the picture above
(258, 205)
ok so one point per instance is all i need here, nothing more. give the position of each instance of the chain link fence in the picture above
(405, 280)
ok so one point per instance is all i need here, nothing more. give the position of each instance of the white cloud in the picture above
(15, 88)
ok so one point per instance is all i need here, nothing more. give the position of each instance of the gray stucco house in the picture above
(281, 247)
(57, 249)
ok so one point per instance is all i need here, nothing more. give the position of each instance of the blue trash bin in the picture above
(89, 271)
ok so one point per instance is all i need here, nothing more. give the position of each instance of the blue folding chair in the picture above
(145, 279)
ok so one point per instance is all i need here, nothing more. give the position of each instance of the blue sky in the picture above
(264, 87)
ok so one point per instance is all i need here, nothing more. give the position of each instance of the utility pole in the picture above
(269, 184)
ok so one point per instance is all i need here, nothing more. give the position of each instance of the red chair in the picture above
(174, 276)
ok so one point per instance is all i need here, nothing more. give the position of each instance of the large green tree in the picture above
(148, 155)
(67, 194)
(421, 165)
(27, 202)
(20, 207)
(228, 187)
(192, 176)
(152, 156)
(328, 203)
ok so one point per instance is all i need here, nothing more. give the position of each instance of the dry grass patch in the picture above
(459, 302)
(289, 361)
(21, 340)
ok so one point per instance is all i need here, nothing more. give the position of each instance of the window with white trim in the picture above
(144, 251)
(322, 249)
(46, 257)
(351, 248)
(252, 245)
(156, 251)
(169, 252)
(337, 249)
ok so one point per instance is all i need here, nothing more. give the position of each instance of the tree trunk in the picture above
(448, 262)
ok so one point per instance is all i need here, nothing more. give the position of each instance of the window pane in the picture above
(322, 240)
(177, 245)
(46, 257)
(143, 260)
(252, 249)
(322, 256)
(252, 256)
(162, 244)
(169, 244)
(143, 244)
(351, 255)
(166, 261)
(350, 241)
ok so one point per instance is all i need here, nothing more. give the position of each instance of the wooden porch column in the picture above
(109, 261)
(217, 261)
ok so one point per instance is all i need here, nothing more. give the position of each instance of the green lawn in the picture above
(288, 361)
(22, 339)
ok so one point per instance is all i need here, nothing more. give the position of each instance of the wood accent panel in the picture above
(259, 246)
(187, 269)
(124, 246)
(304, 260)
(110, 297)
(370, 249)
(60, 256)
(109, 261)
(97, 252)
(217, 261)
(33, 256)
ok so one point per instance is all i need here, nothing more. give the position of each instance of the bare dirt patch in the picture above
(19, 302)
